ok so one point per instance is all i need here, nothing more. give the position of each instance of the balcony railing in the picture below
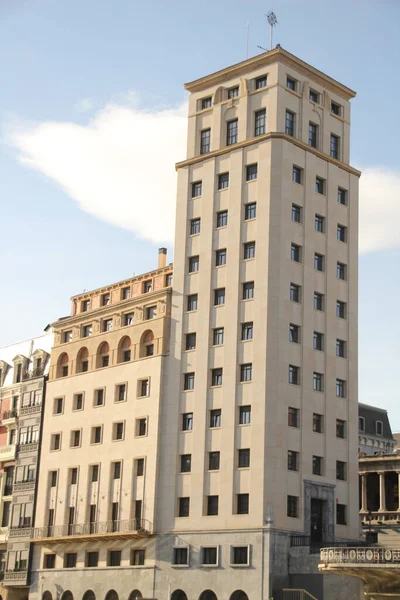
(124, 528)
(28, 447)
(30, 410)
(16, 576)
(9, 414)
(381, 516)
(315, 547)
(39, 372)
(24, 486)
(7, 452)
(361, 556)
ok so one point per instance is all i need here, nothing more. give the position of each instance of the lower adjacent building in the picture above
(374, 431)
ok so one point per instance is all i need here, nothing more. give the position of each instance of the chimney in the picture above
(162, 257)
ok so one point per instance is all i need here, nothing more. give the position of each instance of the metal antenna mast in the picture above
(247, 40)
(272, 20)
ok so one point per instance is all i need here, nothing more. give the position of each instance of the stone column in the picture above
(382, 495)
(364, 498)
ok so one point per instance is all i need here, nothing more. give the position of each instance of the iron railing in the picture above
(360, 555)
(95, 528)
(9, 414)
(39, 372)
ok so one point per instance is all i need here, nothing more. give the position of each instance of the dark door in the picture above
(316, 520)
(138, 513)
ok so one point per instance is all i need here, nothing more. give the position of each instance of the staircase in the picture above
(294, 594)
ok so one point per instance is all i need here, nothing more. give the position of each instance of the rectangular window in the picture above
(187, 422)
(117, 470)
(96, 435)
(92, 559)
(319, 185)
(215, 417)
(318, 301)
(183, 507)
(317, 465)
(206, 103)
(294, 333)
(143, 387)
(319, 223)
(87, 331)
(168, 280)
(213, 461)
(260, 122)
(181, 556)
(243, 504)
(295, 253)
(70, 560)
(251, 172)
(341, 271)
(261, 82)
(233, 92)
(342, 233)
(341, 348)
(120, 395)
(341, 514)
(58, 406)
(197, 187)
(205, 141)
(95, 473)
(195, 226)
(291, 84)
(290, 119)
(314, 96)
(128, 319)
(335, 146)
(67, 336)
(140, 467)
(340, 388)
(340, 429)
(318, 382)
(137, 557)
(74, 475)
(297, 174)
(292, 460)
(341, 470)
(107, 325)
(186, 463)
(49, 561)
(209, 556)
(216, 376)
(99, 397)
(220, 257)
(312, 135)
(245, 415)
(53, 478)
(212, 505)
(293, 417)
(249, 250)
(125, 293)
(318, 341)
(85, 305)
(250, 211)
(219, 297)
(318, 423)
(292, 506)
(296, 213)
(240, 555)
(379, 428)
(319, 262)
(192, 302)
(194, 264)
(223, 181)
(218, 336)
(294, 375)
(190, 341)
(114, 558)
(248, 290)
(342, 196)
(246, 372)
(141, 427)
(75, 441)
(335, 109)
(340, 309)
(232, 132)
(243, 458)
(361, 423)
(118, 431)
(294, 292)
(151, 312)
(222, 218)
(247, 331)
(105, 299)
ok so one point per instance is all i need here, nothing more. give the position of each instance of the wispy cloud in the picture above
(120, 168)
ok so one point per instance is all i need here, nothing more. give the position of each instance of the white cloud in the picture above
(379, 209)
(119, 167)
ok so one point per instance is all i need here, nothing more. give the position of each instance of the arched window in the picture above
(103, 355)
(67, 595)
(208, 595)
(135, 594)
(47, 596)
(239, 595)
(62, 365)
(124, 349)
(111, 595)
(147, 344)
(178, 595)
(89, 595)
(82, 360)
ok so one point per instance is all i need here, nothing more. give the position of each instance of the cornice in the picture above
(264, 60)
(272, 135)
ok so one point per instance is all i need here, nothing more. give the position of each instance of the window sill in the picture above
(251, 180)
(180, 566)
(209, 566)
(233, 566)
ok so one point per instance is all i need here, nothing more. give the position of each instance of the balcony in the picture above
(104, 530)
(32, 374)
(16, 577)
(24, 486)
(7, 452)
(28, 447)
(25, 531)
(9, 416)
(3, 536)
(31, 410)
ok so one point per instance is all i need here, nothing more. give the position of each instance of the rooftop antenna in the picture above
(272, 20)
(247, 40)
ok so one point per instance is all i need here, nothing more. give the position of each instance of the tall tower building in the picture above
(260, 417)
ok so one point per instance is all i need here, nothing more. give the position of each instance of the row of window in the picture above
(293, 504)
(96, 434)
(318, 425)
(245, 375)
(107, 324)
(242, 462)
(318, 340)
(94, 472)
(250, 210)
(313, 134)
(99, 396)
(293, 84)
(212, 505)
(215, 418)
(293, 464)
(114, 558)
(378, 426)
(218, 335)
(318, 381)
(233, 92)
(319, 301)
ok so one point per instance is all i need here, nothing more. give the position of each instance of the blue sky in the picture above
(88, 87)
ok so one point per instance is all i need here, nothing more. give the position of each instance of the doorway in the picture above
(317, 509)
